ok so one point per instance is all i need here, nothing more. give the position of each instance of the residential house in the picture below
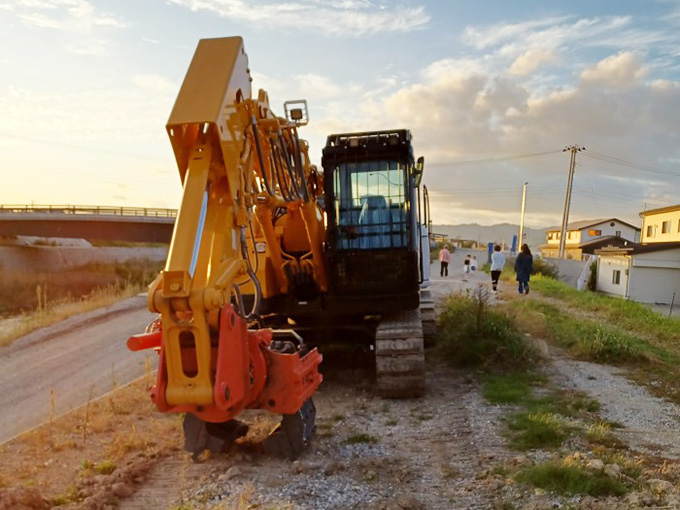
(649, 273)
(581, 234)
(661, 225)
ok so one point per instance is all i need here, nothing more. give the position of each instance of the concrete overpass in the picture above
(94, 223)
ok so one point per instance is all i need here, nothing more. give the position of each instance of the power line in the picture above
(492, 160)
(622, 162)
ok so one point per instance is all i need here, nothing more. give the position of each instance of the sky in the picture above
(493, 92)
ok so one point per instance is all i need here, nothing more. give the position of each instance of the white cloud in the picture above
(78, 16)
(619, 71)
(352, 18)
(531, 60)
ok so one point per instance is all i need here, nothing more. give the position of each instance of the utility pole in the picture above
(520, 242)
(567, 199)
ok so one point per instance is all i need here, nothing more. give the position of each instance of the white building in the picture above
(648, 273)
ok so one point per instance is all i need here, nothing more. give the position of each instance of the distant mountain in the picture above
(491, 233)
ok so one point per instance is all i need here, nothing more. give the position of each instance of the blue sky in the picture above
(87, 86)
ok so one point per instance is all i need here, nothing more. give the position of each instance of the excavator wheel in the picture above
(216, 437)
(292, 435)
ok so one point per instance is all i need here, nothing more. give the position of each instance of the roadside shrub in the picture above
(471, 333)
(544, 268)
(592, 281)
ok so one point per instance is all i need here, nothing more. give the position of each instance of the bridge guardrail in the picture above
(89, 209)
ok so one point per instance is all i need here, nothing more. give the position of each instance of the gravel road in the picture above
(82, 357)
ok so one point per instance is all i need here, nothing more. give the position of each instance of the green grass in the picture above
(104, 467)
(571, 480)
(512, 388)
(628, 315)
(592, 339)
(471, 333)
(537, 430)
(361, 439)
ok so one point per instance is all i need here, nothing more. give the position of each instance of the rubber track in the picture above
(400, 356)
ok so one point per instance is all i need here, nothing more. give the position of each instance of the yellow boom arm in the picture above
(235, 158)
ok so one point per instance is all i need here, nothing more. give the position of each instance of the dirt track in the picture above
(80, 358)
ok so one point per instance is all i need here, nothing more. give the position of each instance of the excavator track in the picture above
(427, 314)
(400, 355)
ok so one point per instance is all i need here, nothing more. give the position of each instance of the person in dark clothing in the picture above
(524, 264)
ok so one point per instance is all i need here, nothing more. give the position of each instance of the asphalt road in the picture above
(82, 357)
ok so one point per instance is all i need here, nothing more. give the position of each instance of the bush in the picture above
(470, 333)
(592, 281)
(545, 268)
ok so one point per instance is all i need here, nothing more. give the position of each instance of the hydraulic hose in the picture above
(254, 313)
(286, 158)
(258, 147)
(298, 166)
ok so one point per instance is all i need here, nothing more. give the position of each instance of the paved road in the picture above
(72, 357)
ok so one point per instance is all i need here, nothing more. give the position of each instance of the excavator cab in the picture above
(371, 206)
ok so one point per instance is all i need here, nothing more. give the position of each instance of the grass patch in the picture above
(471, 333)
(507, 389)
(537, 430)
(593, 340)
(361, 439)
(105, 467)
(629, 315)
(571, 480)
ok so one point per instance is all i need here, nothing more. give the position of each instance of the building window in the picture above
(618, 233)
(666, 227)
(650, 230)
(594, 233)
(616, 277)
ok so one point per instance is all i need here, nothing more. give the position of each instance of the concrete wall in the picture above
(569, 270)
(59, 258)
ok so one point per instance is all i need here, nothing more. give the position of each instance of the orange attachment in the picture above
(246, 372)
(291, 380)
(145, 341)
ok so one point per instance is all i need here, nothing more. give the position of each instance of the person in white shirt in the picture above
(497, 264)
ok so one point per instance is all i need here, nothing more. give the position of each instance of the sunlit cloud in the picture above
(531, 60)
(66, 15)
(351, 18)
(618, 71)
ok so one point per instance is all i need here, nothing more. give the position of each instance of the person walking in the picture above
(473, 264)
(497, 264)
(466, 264)
(524, 264)
(444, 259)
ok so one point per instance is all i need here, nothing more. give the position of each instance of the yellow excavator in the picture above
(271, 259)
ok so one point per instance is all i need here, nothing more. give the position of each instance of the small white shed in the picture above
(646, 273)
